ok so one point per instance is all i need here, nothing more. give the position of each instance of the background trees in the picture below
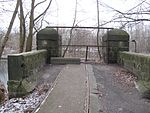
(6, 37)
(24, 31)
(135, 19)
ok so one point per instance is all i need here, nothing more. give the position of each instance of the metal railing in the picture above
(86, 52)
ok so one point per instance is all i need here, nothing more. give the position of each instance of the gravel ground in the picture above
(29, 103)
(117, 92)
(26, 104)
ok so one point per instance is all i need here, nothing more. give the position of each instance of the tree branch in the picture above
(74, 21)
(9, 28)
(98, 24)
(44, 11)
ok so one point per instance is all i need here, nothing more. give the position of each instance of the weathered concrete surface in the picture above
(114, 97)
(106, 93)
(62, 60)
(23, 65)
(22, 71)
(69, 94)
(93, 100)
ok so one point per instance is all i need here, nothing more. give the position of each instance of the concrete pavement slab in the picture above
(93, 98)
(68, 96)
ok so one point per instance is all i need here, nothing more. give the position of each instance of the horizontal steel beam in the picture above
(82, 46)
(78, 27)
(91, 46)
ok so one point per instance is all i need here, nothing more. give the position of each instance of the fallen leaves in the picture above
(125, 77)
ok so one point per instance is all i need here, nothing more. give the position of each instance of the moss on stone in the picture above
(116, 34)
(143, 86)
(16, 89)
(139, 64)
(25, 64)
(48, 31)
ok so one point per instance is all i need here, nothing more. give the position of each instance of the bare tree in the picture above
(22, 28)
(33, 21)
(135, 15)
(31, 25)
(134, 20)
(74, 22)
(6, 37)
(40, 17)
(98, 24)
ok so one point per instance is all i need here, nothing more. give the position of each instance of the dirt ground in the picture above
(117, 92)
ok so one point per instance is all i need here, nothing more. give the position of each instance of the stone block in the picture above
(61, 60)
(22, 71)
(139, 64)
(25, 64)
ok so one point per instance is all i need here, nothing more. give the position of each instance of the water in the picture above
(4, 72)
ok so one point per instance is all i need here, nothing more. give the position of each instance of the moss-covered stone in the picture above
(144, 88)
(25, 64)
(139, 64)
(114, 41)
(16, 89)
(116, 34)
(62, 60)
(22, 71)
(20, 88)
(48, 31)
(50, 40)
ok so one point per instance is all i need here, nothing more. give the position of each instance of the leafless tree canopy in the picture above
(133, 16)
(135, 20)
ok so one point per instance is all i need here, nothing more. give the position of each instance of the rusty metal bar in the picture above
(90, 46)
(86, 53)
(82, 45)
(86, 27)
(107, 47)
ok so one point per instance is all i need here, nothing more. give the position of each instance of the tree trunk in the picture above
(2, 46)
(30, 35)
(74, 21)
(98, 31)
(22, 29)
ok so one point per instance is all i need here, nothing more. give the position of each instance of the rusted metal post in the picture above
(86, 53)
(135, 45)
(107, 46)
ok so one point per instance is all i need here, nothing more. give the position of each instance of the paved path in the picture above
(83, 86)
(116, 96)
(93, 98)
(69, 94)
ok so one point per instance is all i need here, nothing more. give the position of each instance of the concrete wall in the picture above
(139, 64)
(25, 64)
(22, 71)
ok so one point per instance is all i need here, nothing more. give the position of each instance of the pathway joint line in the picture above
(48, 93)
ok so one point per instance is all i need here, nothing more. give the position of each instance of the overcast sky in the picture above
(87, 10)
(61, 12)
